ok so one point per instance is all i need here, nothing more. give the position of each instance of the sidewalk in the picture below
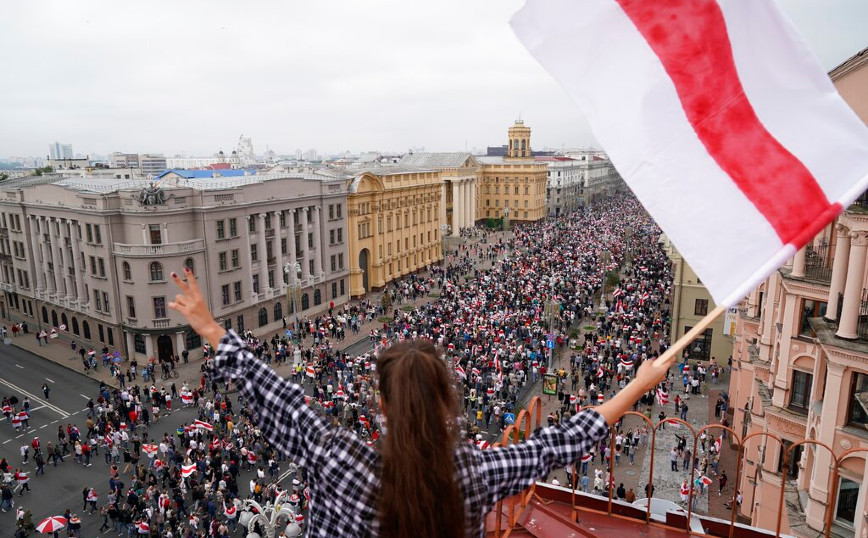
(58, 350)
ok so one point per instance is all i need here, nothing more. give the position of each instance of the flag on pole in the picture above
(662, 397)
(740, 164)
(460, 371)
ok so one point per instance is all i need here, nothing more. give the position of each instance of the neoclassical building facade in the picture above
(395, 217)
(800, 372)
(94, 256)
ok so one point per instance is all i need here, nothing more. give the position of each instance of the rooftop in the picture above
(436, 160)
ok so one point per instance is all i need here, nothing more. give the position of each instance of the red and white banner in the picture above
(150, 450)
(203, 425)
(188, 470)
(719, 118)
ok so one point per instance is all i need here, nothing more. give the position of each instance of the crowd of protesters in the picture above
(596, 281)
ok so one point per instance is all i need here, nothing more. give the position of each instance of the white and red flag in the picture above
(203, 425)
(662, 397)
(460, 371)
(717, 115)
(188, 470)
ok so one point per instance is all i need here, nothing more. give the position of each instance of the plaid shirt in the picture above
(344, 472)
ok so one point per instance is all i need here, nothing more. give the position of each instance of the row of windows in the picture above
(14, 221)
(155, 269)
(23, 277)
(277, 311)
(499, 214)
(336, 211)
(505, 203)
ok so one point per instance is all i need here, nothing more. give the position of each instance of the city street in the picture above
(22, 374)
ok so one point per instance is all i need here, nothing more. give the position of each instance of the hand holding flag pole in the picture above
(653, 371)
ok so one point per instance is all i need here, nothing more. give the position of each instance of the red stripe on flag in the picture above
(691, 40)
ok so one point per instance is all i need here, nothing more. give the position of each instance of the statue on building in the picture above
(151, 195)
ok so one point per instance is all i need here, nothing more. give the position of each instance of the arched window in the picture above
(128, 274)
(190, 264)
(54, 318)
(85, 328)
(44, 315)
(305, 302)
(63, 320)
(317, 297)
(156, 271)
(278, 311)
(263, 317)
(75, 325)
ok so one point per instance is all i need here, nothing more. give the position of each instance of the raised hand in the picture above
(192, 305)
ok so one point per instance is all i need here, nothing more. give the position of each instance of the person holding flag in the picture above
(416, 394)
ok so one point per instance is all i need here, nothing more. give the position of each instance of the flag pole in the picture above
(691, 335)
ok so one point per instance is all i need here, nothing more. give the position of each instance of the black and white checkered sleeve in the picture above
(281, 413)
(508, 470)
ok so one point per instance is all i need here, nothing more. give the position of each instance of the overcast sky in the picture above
(191, 76)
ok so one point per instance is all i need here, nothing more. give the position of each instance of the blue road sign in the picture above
(509, 418)
(550, 344)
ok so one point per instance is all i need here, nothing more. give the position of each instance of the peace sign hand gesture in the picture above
(192, 305)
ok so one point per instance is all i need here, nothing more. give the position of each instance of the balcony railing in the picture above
(507, 515)
(862, 328)
(818, 265)
(168, 249)
(162, 323)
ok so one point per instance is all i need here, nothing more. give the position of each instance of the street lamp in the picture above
(270, 518)
(293, 290)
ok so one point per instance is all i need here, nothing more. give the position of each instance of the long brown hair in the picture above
(419, 496)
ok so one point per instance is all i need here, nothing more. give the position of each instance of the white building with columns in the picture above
(95, 255)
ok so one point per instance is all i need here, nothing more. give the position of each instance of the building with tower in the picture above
(513, 187)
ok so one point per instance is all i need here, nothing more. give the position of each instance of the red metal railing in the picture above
(525, 423)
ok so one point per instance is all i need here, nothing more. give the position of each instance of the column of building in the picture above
(278, 251)
(456, 208)
(292, 248)
(55, 257)
(180, 342)
(305, 245)
(67, 277)
(76, 264)
(848, 325)
(781, 381)
(472, 202)
(839, 271)
(443, 197)
(317, 242)
(46, 254)
(35, 255)
(249, 252)
(819, 490)
(263, 255)
(799, 263)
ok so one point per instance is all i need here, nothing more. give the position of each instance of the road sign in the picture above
(550, 344)
(509, 418)
(550, 336)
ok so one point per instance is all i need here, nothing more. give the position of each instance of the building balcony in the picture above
(4, 233)
(6, 258)
(161, 323)
(825, 331)
(269, 232)
(7, 287)
(151, 251)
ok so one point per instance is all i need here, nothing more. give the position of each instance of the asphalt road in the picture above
(22, 374)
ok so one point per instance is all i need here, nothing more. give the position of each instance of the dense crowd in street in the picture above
(546, 282)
